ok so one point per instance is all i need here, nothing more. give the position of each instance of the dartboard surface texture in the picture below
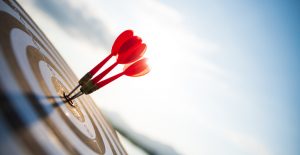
(34, 117)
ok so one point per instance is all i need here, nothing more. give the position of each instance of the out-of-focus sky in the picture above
(225, 74)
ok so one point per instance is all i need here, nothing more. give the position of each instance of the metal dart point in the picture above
(75, 96)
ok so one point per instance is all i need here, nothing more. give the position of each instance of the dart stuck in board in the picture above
(129, 50)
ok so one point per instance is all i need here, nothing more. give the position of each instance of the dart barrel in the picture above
(34, 116)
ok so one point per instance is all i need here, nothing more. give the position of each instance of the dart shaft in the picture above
(76, 95)
(93, 71)
(100, 65)
(107, 81)
(101, 75)
(73, 90)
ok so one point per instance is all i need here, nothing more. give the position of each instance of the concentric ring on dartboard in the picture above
(37, 103)
(83, 128)
(75, 117)
(34, 59)
(19, 64)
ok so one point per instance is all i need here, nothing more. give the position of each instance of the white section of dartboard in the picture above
(37, 128)
(47, 78)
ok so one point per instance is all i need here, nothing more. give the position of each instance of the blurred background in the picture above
(225, 74)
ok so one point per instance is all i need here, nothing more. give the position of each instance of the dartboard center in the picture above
(72, 106)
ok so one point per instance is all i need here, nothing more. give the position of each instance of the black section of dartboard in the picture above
(12, 116)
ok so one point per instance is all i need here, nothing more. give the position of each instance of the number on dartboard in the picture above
(34, 118)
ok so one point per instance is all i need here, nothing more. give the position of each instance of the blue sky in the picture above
(225, 74)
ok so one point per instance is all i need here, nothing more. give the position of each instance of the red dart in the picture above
(121, 39)
(132, 50)
(136, 69)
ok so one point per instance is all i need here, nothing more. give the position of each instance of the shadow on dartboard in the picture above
(34, 117)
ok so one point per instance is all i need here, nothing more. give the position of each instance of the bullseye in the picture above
(73, 107)
(67, 99)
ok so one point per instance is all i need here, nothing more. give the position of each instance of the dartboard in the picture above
(34, 117)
